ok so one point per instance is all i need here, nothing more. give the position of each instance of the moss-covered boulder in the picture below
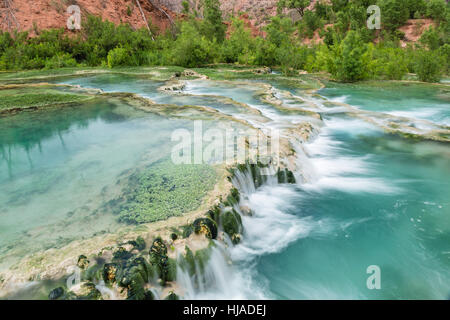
(121, 254)
(232, 225)
(85, 291)
(159, 259)
(214, 213)
(172, 296)
(94, 272)
(83, 262)
(111, 272)
(187, 230)
(205, 226)
(285, 176)
(233, 198)
(56, 293)
(195, 262)
(138, 244)
(135, 276)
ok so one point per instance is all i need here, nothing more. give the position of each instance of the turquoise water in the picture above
(426, 102)
(60, 167)
(370, 198)
(378, 200)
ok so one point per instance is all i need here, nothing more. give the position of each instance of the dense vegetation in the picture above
(350, 51)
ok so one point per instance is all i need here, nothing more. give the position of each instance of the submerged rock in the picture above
(246, 211)
(84, 291)
(56, 293)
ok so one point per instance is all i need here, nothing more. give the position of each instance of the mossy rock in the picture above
(138, 244)
(159, 259)
(205, 226)
(232, 225)
(121, 254)
(187, 230)
(171, 270)
(111, 272)
(86, 291)
(83, 262)
(202, 257)
(135, 283)
(135, 276)
(233, 198)
(94, 273)
(56, 293)
(172, 296)
(214, 213)
(254, 169)
(158, 248)
(149, 295)
(285, 176)
(192, 263)
(188, 261)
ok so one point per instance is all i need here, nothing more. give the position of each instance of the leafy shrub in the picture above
(191, 49)
(351, 60)
(118, 57)
(437, 9)
(62, 60)
(394, 12)
(429, 66)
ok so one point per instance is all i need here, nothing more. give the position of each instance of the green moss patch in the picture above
(33, 97)
(165, 190)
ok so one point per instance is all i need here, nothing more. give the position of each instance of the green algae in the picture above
(33, 97)
(165, 190)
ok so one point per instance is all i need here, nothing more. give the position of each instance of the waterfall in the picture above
(106, 292)
(216, 279)
(268, 230)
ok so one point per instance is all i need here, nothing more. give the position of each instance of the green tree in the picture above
(213, 26)
(186, 9)
(429, 66)
(394, 13)
(119, 57)
(299, 5)
(430, 38)
(240, 47)
(191, 49)
(437, 9)
(351, 59)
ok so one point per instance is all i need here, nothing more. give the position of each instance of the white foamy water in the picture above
(270, 229)
(335, 170)
(220, 279)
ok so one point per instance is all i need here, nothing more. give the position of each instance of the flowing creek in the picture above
(365, 196)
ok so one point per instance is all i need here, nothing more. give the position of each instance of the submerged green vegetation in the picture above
(165, 190)
(36, 96)
(349, 51)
